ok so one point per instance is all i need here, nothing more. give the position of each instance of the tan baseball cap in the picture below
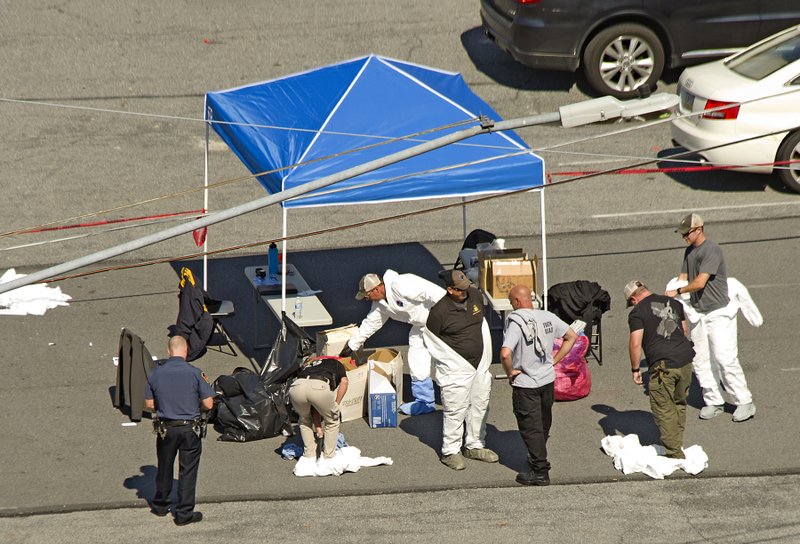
(630, 288)
(367, 284)
(691, 221)
(456, 278)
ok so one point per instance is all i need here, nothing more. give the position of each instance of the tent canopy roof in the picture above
(336, 117)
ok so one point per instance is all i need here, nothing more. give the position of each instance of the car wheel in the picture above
(789, 173)
(622, 58)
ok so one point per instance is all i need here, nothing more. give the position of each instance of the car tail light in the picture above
(731, 112)
(528, 1)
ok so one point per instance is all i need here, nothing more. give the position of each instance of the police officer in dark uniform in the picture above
(178, 391)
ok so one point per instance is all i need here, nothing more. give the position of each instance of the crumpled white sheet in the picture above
(630, 456)
(347, 459)
(33, 299)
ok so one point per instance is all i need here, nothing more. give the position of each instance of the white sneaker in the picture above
(744, 412)
(711, 411)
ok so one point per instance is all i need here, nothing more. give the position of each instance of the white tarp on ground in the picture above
(630, 456)
(33, 299)
(347, 459)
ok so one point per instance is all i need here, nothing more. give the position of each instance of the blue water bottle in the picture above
(272, 259)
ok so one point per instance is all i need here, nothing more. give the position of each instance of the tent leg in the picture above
(544, 247)
(463, 219)
(284, 263)
(205, 197)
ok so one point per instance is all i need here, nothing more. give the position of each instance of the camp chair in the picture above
(199, 318)
(220, 310)
(477, 236)
(584, 300)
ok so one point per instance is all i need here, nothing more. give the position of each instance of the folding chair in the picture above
(220, 310)
(477, 236)
(584, 300)
(596, 340)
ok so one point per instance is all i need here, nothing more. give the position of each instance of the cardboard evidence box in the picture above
(354, 404)
(499, 275)
(331, 341)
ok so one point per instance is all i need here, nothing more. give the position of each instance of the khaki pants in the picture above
(669, 388)
(306, 393)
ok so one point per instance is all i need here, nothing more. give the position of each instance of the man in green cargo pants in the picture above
(658, 324)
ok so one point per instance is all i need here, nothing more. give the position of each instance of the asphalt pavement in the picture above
(66, 449)
(105, 110)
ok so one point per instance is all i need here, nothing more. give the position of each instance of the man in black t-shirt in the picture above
(458, 338)
(658, 324)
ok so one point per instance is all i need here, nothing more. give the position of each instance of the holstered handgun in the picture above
(159, 428)
(200, 426)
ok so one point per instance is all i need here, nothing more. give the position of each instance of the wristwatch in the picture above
(635, 369)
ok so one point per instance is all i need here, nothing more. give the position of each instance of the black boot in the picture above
(533, 478)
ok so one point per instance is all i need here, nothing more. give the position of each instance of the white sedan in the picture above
(744, 111)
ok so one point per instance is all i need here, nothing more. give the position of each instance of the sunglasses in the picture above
(688, 233)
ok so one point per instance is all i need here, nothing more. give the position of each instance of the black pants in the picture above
(533, 409)
(184, 440)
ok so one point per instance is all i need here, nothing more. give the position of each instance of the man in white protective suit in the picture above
(406, 298)
(713, 327)
(458, 339)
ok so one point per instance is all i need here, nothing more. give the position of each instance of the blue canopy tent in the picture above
(301, 127)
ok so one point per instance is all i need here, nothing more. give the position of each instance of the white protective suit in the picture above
(465, 392)
(409, 298)
(716, 345)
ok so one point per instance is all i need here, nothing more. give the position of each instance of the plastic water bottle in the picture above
(272, 259)
(298, 308)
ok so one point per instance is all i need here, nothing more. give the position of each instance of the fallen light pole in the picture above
(581, 113)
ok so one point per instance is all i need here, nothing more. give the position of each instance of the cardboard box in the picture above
(503, 274)
(384, 387)
(355, 401)
(487, 255)
(352, 405)
(331, 341)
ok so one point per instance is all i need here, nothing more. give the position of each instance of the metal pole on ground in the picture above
(590, 111)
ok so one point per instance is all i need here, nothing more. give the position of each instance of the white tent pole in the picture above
(544, 247)
(284, 264)
(205, 194)
(464, 219)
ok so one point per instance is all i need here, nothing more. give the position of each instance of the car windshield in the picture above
(770, 56)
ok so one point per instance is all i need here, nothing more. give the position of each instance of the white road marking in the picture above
(687, 210)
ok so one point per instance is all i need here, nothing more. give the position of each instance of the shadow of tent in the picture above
(335, 272)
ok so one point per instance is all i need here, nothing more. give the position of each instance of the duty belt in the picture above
(177, 422)
(199, 425)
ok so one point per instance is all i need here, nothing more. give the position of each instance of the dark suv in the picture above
(624, 44)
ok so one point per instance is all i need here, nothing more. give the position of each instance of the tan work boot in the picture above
(454, 461)
(481, 454)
